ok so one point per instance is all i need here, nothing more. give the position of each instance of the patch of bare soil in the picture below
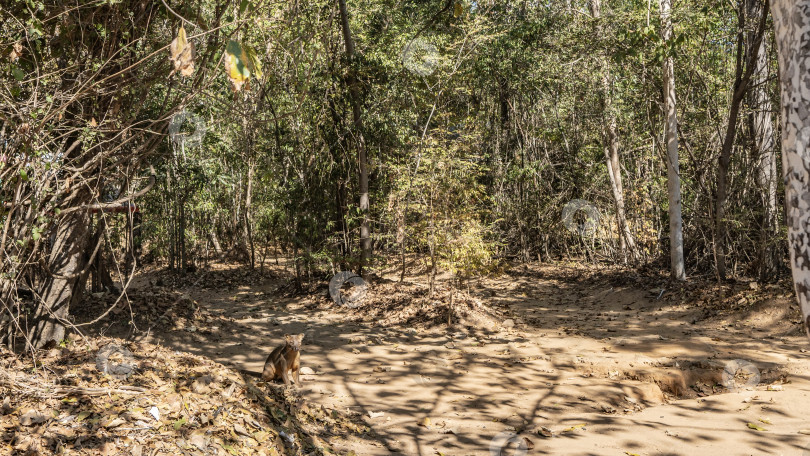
(554, 359)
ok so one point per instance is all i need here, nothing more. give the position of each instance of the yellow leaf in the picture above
(182, 54)
(236, 65)
(83, 415)
(458, 9)
(574, 427)
(755, 427)
(765, 420)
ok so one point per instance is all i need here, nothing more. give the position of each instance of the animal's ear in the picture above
(301, 336)
(287, 336)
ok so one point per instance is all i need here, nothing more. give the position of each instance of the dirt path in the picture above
(583, 362)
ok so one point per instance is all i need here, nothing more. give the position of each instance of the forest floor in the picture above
(544, 359)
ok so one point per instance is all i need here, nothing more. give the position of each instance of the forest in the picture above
(467, 194)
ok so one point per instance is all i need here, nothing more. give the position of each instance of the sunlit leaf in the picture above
(182, 54)
(236, 66)
(240, 62)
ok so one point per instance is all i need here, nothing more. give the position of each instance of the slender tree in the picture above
(611, 146)
(760, 126)
(671, 138)
(742, 76)
(354, 91)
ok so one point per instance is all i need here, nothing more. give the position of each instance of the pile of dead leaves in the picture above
(146, 307)
(412, 305)
(151, 399)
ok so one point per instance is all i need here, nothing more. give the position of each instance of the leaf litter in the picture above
(174, 402)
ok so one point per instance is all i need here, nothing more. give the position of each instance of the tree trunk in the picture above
(626, 242)
(671, 137)
(59, 289)
(354, 91)
(792, 29)
(741, 78)
(248, 228)
(760, 121)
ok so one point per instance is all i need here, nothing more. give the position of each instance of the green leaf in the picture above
(24, 175)
(253, 60)
(17, 73)
(236, 64)
(179, 423)
(244, 6)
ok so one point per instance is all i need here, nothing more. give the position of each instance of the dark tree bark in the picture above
(59, 289)
(741, 82)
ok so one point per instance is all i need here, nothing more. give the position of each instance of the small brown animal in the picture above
(286, 357)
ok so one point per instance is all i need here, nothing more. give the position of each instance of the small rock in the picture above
(307, 371)
(509, 323)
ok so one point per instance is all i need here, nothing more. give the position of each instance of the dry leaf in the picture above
(424, 422)
(16, 52)
(32, 417)
(575, 427)
(756, 427)
(182, 54)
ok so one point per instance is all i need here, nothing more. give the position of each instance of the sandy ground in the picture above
(590, 367)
